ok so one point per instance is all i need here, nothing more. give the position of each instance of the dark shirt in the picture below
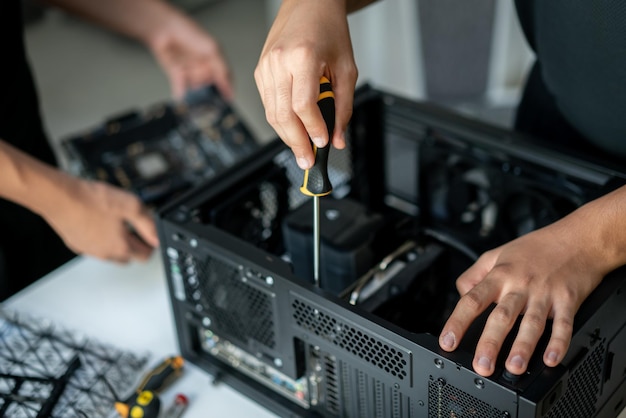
(581, 48)
(20, 121)
(29, 248)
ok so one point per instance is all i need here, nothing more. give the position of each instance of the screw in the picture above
(439, 363)
(269, 280)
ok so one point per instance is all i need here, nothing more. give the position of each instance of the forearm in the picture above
(138, 19)
(29, 182)
(602, 226)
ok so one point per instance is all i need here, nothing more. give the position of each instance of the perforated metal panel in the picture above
(579, 400)
(446, 400)
(236, 308)
(367, 397)
(356, 341)
(332, 384)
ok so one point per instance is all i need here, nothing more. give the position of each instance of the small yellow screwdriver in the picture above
(144, 402)
(316, 182)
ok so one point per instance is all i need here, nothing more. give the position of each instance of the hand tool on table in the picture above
(144, 402)
(316, 182)
(177, 408)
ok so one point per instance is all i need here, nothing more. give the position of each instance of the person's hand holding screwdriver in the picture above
(309, 39)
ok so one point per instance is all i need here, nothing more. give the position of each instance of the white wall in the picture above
(386, 42)
(511, 56)
(387, 49)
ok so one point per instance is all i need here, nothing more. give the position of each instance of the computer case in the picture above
(426, 191)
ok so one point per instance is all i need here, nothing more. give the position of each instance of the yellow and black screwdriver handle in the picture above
(316, 181)
(144, 402)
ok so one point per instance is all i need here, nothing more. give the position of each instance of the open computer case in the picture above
(419, 193)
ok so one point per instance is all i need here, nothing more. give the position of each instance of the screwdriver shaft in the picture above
(316, 182)
(316, 240)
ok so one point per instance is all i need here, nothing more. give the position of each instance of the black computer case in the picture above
(418, 194)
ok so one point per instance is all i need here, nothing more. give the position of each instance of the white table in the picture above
(128, 306)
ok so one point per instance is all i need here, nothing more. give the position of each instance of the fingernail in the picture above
(552, 357)
(448, 340)
(484, 362)
(318, 141)
(517, 361)
(303, 163)
(342, 140)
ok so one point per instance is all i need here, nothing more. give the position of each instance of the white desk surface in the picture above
(128, 306)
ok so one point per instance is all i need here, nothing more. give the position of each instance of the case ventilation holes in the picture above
(351, 339)
(445, 400)
(237, 308)
(580, 398)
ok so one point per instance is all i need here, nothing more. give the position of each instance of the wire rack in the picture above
(47, 370)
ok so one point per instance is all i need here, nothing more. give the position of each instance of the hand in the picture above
(190, 57)
(544, 274)
(309, 39)
(93, 218)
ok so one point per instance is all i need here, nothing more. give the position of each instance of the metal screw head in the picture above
(439, 363)
(278, 362)
(193, 242)
(480, 383)
(206, 321)
(269, 280)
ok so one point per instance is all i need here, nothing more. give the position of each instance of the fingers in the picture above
(146, 230)
(469, 307)
(136, 228)
(178, 82)
(531, 328)
(562, 329)
(513, 297)
(291, 106)
(140, 220)
(344, 97)
(293, 112)
(138, 249)
(497, 327)
(224, 82)
(297, 53)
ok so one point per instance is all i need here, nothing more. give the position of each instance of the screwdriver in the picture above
(144, 401)
(316, 182)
